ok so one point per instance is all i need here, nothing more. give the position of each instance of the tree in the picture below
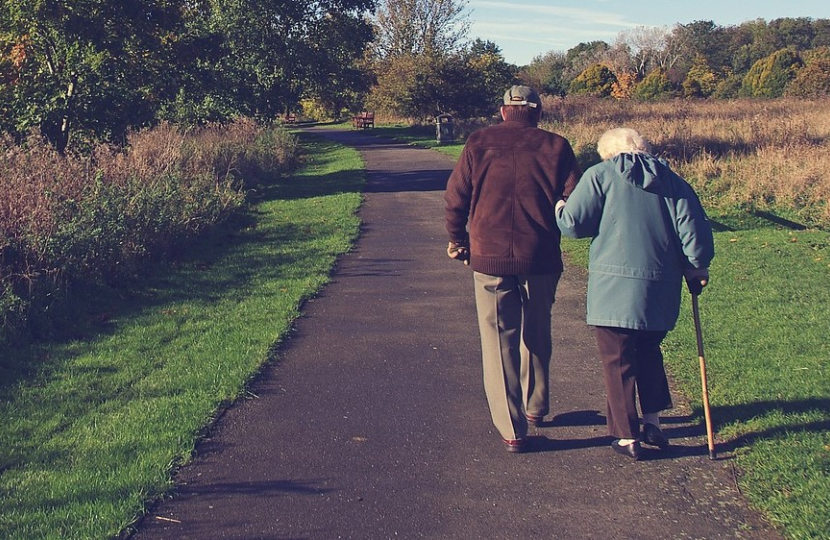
(812, 80)
(821, 33)
(701, 39)
(423, 65)
(623, 87)
(655, 86)
(338, 74)
(701, 81)
(489, 75)
(649, 49)
(468, 83)
(619, 59)
(728, 87)
(274, 51)
(433, 28)
(93, 65)
(546, 73)
(598, 81)
(105, 66)
(769, 76)
(581, 57)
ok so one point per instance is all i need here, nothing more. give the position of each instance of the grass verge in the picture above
(765, 321)
(765, 327)
(92, 427)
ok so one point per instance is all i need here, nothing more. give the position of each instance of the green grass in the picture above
(765, 327)
(93, 426)
(422, 136)
(766, 330)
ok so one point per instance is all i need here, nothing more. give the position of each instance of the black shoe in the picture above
(630, 450)
(654, 436)
(515, 446)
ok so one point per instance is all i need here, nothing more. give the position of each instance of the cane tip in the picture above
(712, 456)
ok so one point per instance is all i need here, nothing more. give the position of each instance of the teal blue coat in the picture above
(648, 228)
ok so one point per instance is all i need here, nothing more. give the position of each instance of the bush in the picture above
(769, 77)
(104, 216)
(655, 86)
(728, 87)
(812, 80)
(597, 81)
(700, 81)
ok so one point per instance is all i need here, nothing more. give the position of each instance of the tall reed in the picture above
(104, 215)
(762, 154)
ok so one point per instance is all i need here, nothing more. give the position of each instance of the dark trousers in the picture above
(632, 362)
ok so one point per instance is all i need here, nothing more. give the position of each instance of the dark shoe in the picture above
(655, 437)
(631, 450)
(535, 420)
(515, 446)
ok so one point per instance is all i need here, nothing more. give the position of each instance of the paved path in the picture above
(373, 423)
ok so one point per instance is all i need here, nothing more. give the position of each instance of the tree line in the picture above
(91, 70)
(787, 56)
(86, 71)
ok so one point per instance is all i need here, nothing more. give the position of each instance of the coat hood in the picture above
(641, 170)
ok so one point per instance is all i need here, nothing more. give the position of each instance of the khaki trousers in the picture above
(514, 320)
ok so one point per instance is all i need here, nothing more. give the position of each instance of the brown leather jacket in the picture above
(505, 186)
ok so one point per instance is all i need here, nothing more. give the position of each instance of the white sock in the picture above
(626, 442)
(652, 418)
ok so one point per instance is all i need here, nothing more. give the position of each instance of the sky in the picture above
(525, 29)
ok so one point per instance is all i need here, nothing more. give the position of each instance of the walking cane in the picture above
(703, 382)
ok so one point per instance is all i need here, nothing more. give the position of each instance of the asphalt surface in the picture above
(372, 423)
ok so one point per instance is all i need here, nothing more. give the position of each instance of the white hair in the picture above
(622, 141)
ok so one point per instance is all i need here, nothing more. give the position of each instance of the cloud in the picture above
(591, 18)
(552, 35)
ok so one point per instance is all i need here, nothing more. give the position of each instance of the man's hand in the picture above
(459, 251)
(696, 279)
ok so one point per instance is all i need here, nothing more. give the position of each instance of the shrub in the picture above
(700, 81)
(655, 86)
(728, 87)
(104, 216)
(769, 76)
(597, 81)
(812, 80)
(318, 111)
(623, 87)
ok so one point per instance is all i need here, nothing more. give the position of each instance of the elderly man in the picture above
(649, 232)
(500, 203)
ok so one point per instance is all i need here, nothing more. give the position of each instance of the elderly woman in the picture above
(649, 232)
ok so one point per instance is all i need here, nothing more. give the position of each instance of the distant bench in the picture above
(364, 120)
(290, 118)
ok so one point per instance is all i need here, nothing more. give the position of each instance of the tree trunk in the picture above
(63, 136)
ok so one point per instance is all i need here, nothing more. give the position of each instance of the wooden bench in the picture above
(290, 118)
(364, 120)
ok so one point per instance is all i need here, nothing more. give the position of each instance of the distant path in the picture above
(373, 423)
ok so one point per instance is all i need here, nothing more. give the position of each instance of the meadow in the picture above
(756, 155)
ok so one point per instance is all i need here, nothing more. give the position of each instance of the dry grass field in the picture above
(761, 154)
